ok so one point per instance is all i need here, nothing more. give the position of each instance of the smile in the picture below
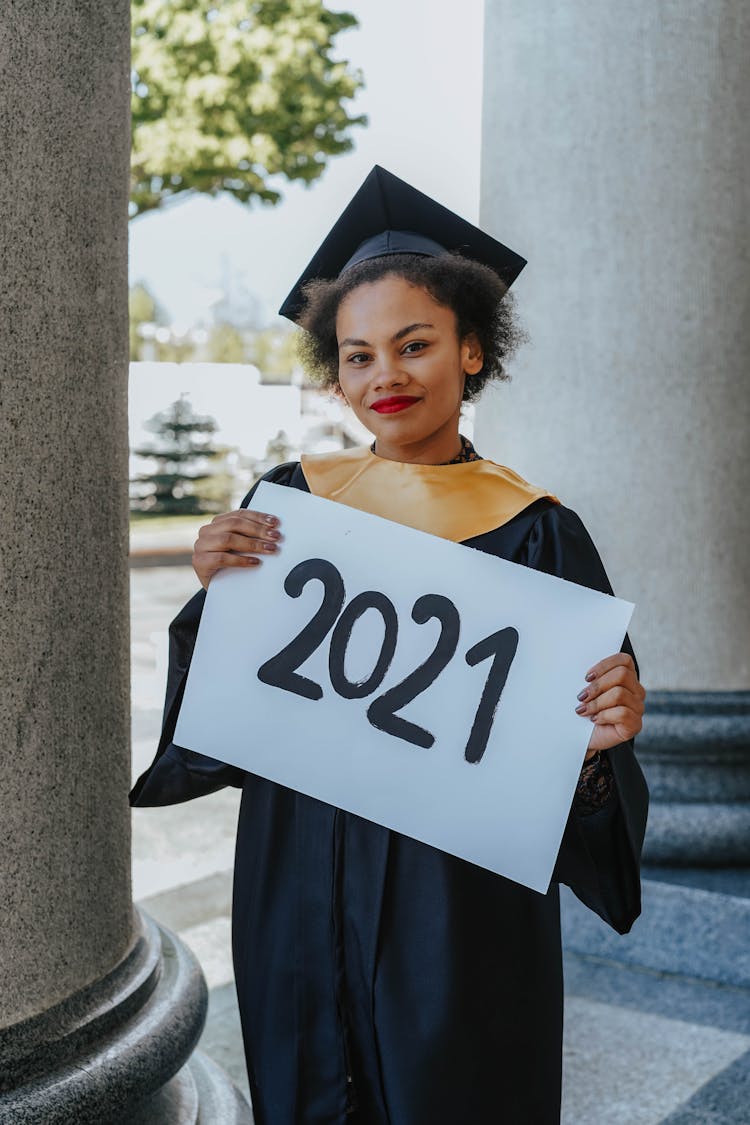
(393, 404)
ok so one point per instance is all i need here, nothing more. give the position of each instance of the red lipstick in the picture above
(393, 404)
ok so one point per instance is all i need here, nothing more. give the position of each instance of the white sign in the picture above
(418, 683)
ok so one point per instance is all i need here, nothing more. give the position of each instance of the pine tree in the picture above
(182, 483)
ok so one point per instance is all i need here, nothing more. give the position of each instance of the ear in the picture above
(472, 356)
(338, 393)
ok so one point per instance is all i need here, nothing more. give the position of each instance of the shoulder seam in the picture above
(551, 506)
(278, 469)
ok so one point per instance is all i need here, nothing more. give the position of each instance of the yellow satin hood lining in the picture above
(454, 502)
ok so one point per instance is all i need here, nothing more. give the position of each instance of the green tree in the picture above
(228, 95)
(225, 344)
(177, 349)
(181, 484)
(273, 350)
(144, 309)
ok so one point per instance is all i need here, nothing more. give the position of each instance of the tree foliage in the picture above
(273, 350)
(144, 309)
(181, 482)
(228, 95)
(225, 344)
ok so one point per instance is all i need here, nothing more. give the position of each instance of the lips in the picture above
(394, 404)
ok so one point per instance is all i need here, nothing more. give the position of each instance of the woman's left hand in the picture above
(614, 701)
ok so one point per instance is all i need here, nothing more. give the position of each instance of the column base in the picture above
(201, 1093)
(695, 752)
(118, 1050)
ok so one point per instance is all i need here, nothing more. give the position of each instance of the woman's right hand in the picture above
(234, 539)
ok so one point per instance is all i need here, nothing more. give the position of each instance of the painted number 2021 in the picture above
(332, 614)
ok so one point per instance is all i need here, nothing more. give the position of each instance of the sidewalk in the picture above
(182, 861)
(151, 544)
(642, 1046)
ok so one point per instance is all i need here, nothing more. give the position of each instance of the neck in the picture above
(437, 449)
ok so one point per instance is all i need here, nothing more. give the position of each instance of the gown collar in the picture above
(456, 501)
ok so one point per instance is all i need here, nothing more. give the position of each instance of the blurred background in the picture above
(212, 258)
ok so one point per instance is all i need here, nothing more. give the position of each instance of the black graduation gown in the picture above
(435, 984)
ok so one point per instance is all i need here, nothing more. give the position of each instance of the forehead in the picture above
(388, 304)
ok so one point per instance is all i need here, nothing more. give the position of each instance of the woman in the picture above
(382, 981)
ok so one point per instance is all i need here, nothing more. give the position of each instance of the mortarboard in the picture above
(389, 216)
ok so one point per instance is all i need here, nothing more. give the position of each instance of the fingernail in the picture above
(589, 676)
(580, 708)
(272, 520)
(583, 694)
(274, 535)
(270, 547)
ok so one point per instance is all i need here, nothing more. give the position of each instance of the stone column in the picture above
(615, 157)
(99, 1009)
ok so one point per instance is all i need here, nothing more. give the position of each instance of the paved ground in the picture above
(641, 1047)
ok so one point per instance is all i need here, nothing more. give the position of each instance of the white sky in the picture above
(422, 64)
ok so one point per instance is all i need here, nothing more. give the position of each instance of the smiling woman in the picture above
(472, 291)
(382, 981)
(406, 383)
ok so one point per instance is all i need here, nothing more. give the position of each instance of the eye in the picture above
(414, 347)
(358, 358)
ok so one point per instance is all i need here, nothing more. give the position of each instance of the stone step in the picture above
(628, 1067)
(684, 930)
(191, 904)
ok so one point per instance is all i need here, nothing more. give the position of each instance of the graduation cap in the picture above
(389, 216)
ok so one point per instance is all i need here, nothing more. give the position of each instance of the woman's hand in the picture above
(234, 539)
(614, 701)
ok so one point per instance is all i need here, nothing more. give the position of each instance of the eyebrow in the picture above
(350, 342)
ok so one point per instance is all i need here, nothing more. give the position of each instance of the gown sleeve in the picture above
(599, 857)
(176, 773)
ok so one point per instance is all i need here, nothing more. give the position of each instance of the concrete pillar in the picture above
(99, 1010)
(615, 157)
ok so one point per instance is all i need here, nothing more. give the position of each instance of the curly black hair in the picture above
(473, 291)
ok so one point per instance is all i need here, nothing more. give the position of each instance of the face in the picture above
(402, 369)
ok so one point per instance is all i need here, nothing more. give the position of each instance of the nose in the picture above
(385, 373)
